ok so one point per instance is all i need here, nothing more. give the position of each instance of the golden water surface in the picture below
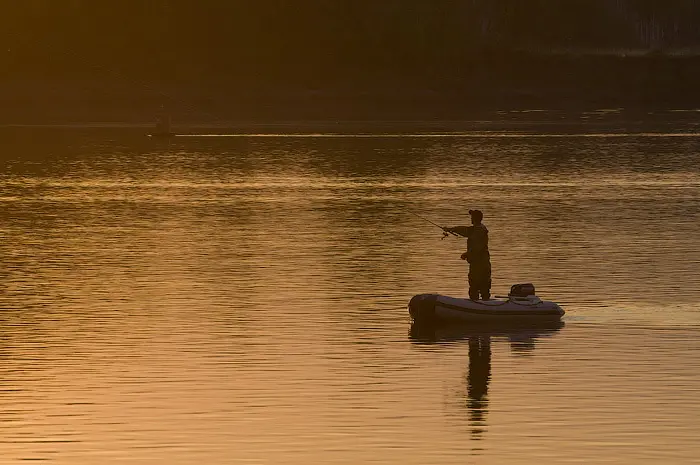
(242, 300)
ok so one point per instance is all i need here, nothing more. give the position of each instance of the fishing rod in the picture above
(445, 232)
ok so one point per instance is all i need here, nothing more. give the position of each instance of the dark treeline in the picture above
(234, 35)
(341, 44)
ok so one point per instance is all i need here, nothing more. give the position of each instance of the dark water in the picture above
(243, 299)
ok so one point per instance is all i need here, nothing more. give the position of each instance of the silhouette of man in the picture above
(477, 255)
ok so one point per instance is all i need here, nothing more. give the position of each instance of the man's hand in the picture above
(464, 255)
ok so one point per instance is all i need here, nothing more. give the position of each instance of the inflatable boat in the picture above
(520, 306)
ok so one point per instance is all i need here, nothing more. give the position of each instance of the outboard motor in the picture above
(522, 290)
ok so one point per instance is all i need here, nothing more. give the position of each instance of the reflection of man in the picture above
(478, 379)
(477, 255)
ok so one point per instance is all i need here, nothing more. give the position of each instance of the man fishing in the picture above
(477, 255)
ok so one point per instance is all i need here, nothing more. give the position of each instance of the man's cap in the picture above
(476, 213)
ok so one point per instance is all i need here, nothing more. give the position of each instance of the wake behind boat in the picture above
(520, 306)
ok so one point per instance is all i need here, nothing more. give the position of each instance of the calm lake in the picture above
(242, 300)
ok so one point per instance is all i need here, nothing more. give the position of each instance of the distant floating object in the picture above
(162, 128)
(162, 134)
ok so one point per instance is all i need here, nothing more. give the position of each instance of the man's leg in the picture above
(486, 287)
(482, 280)
(473, 284)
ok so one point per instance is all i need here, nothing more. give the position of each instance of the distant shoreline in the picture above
(508, 123)
(468, 91)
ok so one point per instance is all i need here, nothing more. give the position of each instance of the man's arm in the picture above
(459, 230)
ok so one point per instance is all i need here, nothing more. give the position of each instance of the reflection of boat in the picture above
(440, 308)
(422, 332)
(522, 338)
